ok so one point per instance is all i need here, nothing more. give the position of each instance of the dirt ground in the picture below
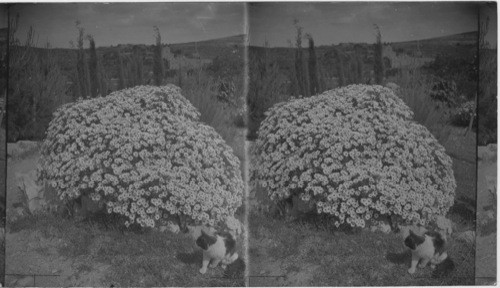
(485, 242)
(37, 263)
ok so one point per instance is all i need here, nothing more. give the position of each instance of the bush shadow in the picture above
(236, 269)
(190, 258)
(399, 258)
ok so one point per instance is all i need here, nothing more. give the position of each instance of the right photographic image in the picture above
(362, 144)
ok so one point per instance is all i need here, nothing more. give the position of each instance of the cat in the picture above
(217, 248)
(429, 248)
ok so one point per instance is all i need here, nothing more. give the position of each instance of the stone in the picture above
(382, 227)
(20, 148)
(33, 192)
(444, 225)
(174, 228)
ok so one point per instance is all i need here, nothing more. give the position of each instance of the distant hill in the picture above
(467, 38)
(210, 49)
(451, 45)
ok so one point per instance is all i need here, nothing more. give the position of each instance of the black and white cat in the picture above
(217, 248)
(429, 248)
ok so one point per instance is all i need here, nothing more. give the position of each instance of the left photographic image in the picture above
(3, 93)
(125, 144)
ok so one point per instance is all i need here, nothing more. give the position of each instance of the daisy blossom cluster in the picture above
(356, 153)
(144, 154)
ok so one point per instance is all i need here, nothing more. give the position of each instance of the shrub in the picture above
(356, 154)
(444, 91)
(461, 116)
(142, 153)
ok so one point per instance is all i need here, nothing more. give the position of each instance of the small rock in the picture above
(381, 226)
(174, 228)
(28, 183)
(444, 225)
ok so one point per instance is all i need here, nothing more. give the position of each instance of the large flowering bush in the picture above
(356, 154)
(142, 152)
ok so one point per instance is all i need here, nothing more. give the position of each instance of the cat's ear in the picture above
(202, 243)
(205, 240)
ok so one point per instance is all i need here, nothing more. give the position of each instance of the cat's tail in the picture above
(444, 268)
(234, 257)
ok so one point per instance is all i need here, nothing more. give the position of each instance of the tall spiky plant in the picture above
(158, 68)
(121, 72)
(300, 68)
(340, 68)
(82, 81)
(313, 68)
(94, 82)
(378, 64)
(139, 67)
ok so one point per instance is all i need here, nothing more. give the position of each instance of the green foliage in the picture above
(462, 115)
(142, 153)
(445, 91)
(267, 87)
(463, 70)
(37, 87)
(326, 150)
(227, 66)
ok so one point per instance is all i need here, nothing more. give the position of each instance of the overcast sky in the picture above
(333, 23)
(328, 22)
(130, 23)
